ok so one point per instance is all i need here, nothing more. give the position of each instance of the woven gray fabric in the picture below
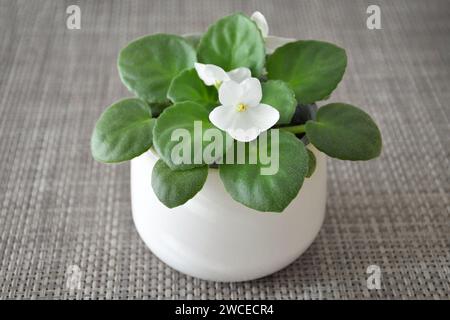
(60, 210)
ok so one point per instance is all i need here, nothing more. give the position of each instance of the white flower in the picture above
(271, 42)
(261, 22)
(215, 75)
(241, 113)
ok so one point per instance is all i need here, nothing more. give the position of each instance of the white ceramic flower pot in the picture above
(213, 237)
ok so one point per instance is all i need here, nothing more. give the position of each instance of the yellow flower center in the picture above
(217, 84)
(241, 107)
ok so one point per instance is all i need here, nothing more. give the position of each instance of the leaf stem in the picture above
(294, 129)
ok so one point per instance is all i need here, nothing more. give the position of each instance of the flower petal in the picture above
(251, 92)
(239, 74)
(263, 116)
(261, 22)
(230, 94)
(239, 125)
(273, 43)
(247, 125)
(222, 117)
(210, 73)
(244, 135)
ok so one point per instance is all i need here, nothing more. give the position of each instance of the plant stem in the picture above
(294, 129)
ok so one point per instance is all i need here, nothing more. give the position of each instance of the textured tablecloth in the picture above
(62, 214)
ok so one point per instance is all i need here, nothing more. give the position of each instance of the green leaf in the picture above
(187, 140)
(312, 69)
(148, 65)
(345, 132)
(278, 94)
(193, 39)
(232, 42)
(124, 131)
(311, 163)
(187, 86)
(273, 193)
(174, 188)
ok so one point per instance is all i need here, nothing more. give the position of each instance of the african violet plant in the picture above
(227, 79)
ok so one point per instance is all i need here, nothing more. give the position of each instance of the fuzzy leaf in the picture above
(148, 65)
(182, 118)
(274, 192)
(124, 131)
(232, 42)
(312, 69)
(345, 132)
(187, 86)
(174, 188)
(277, 94)
(311, 163)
